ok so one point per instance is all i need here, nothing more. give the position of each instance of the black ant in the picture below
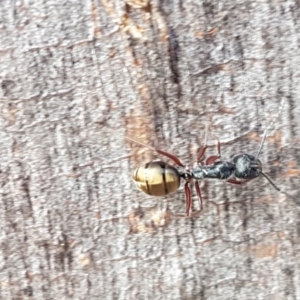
(158, 178)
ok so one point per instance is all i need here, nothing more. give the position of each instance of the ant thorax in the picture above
(218, 170)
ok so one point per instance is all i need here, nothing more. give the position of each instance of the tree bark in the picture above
(76, 78)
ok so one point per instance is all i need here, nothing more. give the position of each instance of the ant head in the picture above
(247, 166)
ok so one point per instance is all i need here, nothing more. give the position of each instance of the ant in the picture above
(158, 178)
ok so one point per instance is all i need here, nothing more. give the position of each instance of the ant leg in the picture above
(188, 198)
(169, 155)
(188, 212)
(189, 202)
(203, 149)
(199, 195)
(201, 153)
(233, 181)
(211, 160)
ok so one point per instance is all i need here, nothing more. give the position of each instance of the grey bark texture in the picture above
(76, 77)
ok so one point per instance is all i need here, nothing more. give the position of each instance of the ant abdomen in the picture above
(157, 178)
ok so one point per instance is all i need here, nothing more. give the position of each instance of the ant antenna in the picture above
(275, 186)
(260, 148)
(271, 124)
(272, 183)
(263, 139)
